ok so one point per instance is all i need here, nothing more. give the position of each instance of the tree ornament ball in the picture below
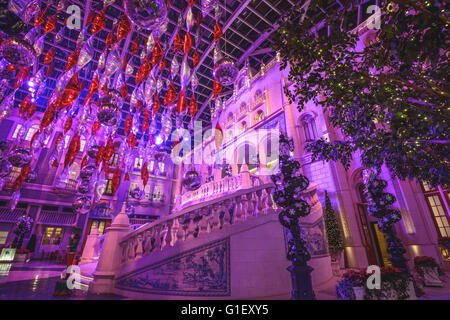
(225, 71)
(146, 14)
(82, 204)
(17, 52)
(20, 157)
(5, 167)
(87, 172)
(108, 113)
(191, 180)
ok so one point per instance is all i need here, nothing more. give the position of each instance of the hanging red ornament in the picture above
(109, 150)
(124, 28)
(49, 55)
(83, 162)
(58, 139)
(143, 72)
(93, 87)
(144, 174)
(22, 75)
(191, 3)
(187, 43)
(50, 69)
(128, 124)
(127, 177)
(99, 22)
(135, 45)
(71, 91)
(217, 32)
(68, 125)
(40, 18)
(171, 95)
(99, 157)
(51, 24)
(115, 183)
(195, 58)
(23, 106)
(110, 38)
(73, 150)
(181, 103)
(33, 138)
(139, 105)
(162, 65)
(73, 59)
(31, 110)
(217, 89)
(106, 168)
(125, 62)
(132, 140)
(146, 113)
(193, 106)
(157, 54)
(156, 104)
(177, 43)
(145, 123)
(48, 117)
(124, 90)
(199, 19)
(95, 127)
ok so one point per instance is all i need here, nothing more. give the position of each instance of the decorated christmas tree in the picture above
(334, 234)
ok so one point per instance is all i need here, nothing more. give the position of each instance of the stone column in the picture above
(110, 256)
(91, 247)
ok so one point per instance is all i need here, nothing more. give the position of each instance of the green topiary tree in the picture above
(334, 234)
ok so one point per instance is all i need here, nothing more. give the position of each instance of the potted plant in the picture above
(334, 236)
(429, 271)
(352, 286)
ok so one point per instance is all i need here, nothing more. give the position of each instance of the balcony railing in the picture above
(11, 216)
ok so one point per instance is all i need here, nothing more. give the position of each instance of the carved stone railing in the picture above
(219, 188)
(202, 218)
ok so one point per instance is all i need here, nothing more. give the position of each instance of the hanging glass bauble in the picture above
(87, 172)
(20, 157)
(92, 151)
(147, 14)
(17, 52)
(225, 71)
(5, 167)
(191, 180)
(109, 111)
(137, 193)
(81, 204)
(84, 187)
(129, 210)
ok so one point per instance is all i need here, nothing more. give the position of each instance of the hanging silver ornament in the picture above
(109, 111)
(5, 168)
(191, 180)
(20, 157)
(87, 172)
(17, 52)
(146, 14)
(225, 71)
(137, 193)
(82, 204)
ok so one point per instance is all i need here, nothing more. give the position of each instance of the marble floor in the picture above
(36, 280)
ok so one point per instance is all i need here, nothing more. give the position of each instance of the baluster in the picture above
(175, 229)
(191, 226)
(197, 219)
(226, 216)
(237, 216)
(148, 242)
(139, 249)
(244, 204)
(180, 233)
(203, 222)
(269, 209)
(258, 205)
(157, 236)
(215, 217)
(131, 249)
(168, 236)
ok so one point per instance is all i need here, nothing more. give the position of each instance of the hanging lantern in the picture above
(137, 193)
(87, 172)
(82, 204)
(147, 14)
(109, 110)
(191, 180)
(5, 168)
(225, 71)
(17, 52)
(20, 157)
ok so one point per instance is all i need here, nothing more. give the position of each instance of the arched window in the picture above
(258, 95)
(309, 128)
(230, 117)
(243, 126)
(243, 107)
(259, 116)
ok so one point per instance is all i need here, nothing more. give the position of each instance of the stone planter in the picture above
(431, 277)
(389, 294)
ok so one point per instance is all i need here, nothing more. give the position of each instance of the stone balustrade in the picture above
(203, 218)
